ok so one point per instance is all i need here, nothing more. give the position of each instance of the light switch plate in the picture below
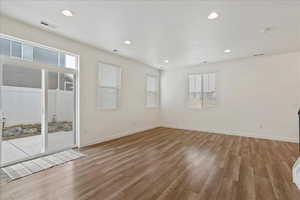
(296, 173)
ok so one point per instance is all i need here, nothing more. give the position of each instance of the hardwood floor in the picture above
(168, 164)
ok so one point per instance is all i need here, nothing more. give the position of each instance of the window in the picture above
(16, 49)
(70, 61)
(152, 99)
(45, 56)
(66, 82)
(4, 47)
(25, 51)
(62, 59)
(202, 90)
(19, 77)
(108, 90)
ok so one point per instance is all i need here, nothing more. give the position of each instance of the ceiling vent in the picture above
(46, 24)
(259, 54)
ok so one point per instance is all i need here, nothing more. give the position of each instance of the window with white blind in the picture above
(152, 90)
(202, 90)
(109, 83)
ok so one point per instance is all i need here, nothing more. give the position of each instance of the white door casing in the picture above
(1, 116)
(296, 173)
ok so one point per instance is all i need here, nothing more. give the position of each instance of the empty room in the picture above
(149, 99)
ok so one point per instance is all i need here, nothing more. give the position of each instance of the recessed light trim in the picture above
(227, 51)
(166, 61)
(67, 13)
(213, 15)
(127, 42)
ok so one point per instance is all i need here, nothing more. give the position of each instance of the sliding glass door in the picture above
(37, 99)
(21, 103)
(37, 110)
(60, 112)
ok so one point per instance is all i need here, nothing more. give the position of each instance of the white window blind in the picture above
(152, 99)
(202, 90)
(108, 91)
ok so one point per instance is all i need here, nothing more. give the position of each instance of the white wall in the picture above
(257, 97)
(97, 125)
(22, 105)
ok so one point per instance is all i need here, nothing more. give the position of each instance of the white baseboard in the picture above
(243, 134)
(226, 132)
(116, 136)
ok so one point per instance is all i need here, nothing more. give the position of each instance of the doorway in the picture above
(38, 109)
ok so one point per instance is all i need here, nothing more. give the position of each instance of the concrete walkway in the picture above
(21, 148)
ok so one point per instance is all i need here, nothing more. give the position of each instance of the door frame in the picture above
(45, 68)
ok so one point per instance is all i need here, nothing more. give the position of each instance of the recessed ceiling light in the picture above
(213, 15)
(67, 13)
(166, 61)
(227, 51)
(128, 42)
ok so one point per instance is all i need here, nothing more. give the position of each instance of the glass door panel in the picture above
(60, 111)
(20, 105)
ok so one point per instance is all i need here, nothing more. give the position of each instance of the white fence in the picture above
(24, 105)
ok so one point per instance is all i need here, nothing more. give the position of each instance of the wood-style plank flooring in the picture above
(171, 164)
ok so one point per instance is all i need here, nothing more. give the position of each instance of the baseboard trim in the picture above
(224, 132)
(117, 136)
(242, 134)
